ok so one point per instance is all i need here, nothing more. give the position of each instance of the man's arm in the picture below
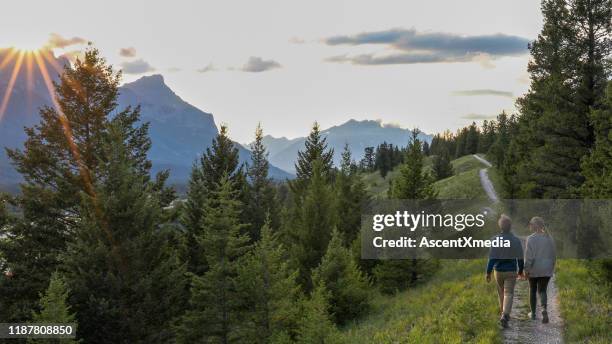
(521, 262)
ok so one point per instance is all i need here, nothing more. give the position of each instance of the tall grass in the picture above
(585, 303)
(455, 306)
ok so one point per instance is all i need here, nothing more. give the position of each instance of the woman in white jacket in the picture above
(540, 259)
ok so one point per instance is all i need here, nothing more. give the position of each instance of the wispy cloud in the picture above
(208, 68)
(411, 46)
(58, 41)
(127, 52)
(138, 66)
(483, 92)
(257, 64)
(477, 116)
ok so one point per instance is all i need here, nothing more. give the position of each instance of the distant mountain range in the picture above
(179, 131)
(357, 134)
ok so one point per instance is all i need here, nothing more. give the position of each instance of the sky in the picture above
(430, 64)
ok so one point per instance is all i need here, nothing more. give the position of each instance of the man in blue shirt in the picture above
(507, 262)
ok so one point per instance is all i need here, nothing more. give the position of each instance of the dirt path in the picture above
(485, 181)
(522, 329)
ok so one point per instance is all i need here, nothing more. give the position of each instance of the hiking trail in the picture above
(522, 329)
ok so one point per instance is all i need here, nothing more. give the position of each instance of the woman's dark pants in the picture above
(538, 285)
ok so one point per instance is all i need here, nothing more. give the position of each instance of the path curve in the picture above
(522, 329)
(487, 185)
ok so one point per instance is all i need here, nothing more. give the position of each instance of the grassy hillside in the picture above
(585, 303)
(456, 305)
(465, 184)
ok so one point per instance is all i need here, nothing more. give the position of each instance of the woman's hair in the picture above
(537, 222)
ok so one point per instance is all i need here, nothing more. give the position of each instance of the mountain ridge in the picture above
(358, 134)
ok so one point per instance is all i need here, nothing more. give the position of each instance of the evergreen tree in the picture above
(412, 182)
(221, 159)
(350, 198)
(270, 289)
(262, 201)
(314, 222)
(316, 325)
(461, 143)
(367, 163)
(568, 72)
(472, 139)
(126, 282)
(597, 167)
(60, 161)
(315, 149)
(426, 148)
(54, 308)
(349, 290)
(215, 313)
(384, 158)
(442, 167)
(487, 136)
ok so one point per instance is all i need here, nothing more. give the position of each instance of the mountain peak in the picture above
(149, 81)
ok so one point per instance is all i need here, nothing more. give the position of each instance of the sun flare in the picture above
(23, 60)
(30, 45)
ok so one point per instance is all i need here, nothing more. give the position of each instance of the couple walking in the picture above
(537, 264)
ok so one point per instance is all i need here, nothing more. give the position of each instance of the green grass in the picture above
(455, 306)
(465, 184)
(466, 163)
(585, 304)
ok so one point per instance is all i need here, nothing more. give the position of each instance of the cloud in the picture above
(483, 92)
(257, 64)
(208, 68)
(136, 67)
(477, 116)
(57, 41)
(411, 46)
(174, 69)
(127, 52)
(73, 55)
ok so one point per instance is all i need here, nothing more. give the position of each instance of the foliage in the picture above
(348, 288)
(54, 309)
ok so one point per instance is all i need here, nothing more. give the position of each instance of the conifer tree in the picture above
(314, 222)
(368, 161)
(315, 149)
(568, 72)
(215, 308)
(597, 167)
(126, 282)
(270, 289)
(221, 159)
(262, 201)
(54, 308)
(59, 162)
(442, 167)
(351, 196)
(349, 290)
(316, 325)
(412, 182)
(472, 139)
